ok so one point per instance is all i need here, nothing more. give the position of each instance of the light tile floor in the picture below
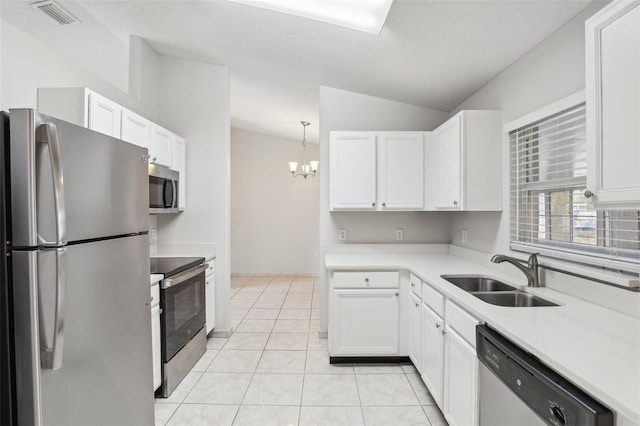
(274, 370)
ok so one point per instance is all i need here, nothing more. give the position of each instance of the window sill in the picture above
(617, 273)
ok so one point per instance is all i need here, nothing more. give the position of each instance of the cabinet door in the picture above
(210, 302)
(364, 322)
(352, 171)
(180, 165)
(104, 115)
(432, 353)
(613, 105)
(461, 369)
(136, 129)
(155, 345)
(447, 142)
(401, 171)
(161, 146)
(415, 335)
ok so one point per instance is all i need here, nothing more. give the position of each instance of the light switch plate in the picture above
(154, 235)
(464, 235)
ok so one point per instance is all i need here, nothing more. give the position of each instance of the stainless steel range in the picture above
(182, 319)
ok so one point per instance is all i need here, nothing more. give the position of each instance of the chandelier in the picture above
(306, 168)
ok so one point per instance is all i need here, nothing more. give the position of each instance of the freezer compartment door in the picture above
(69, 183)
(104, 372)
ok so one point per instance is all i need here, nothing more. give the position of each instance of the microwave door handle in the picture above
(164, 193)
(174, 184)
(48, 133)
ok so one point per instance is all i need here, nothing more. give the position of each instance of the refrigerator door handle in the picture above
(48, 133)
(51, 358)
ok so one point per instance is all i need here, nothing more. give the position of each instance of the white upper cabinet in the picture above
(135, 129)
(179, 161)
(104, 115)
(401, 171)
(353, 171)
(81, 106)
(161, 149)
(447, 143)
(377, 171)
(467, 162)
(613, 105)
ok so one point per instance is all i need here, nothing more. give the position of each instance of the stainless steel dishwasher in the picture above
(517, 389)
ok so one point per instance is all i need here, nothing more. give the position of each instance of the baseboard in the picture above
(221, 333)
(368, 359)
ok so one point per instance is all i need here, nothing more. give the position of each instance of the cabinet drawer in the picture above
(415, 284)
(462, 322)
(155, 295)
(365, 279)
(433, 299)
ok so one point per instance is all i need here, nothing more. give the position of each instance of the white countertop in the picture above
(596, 348)
(156, 278)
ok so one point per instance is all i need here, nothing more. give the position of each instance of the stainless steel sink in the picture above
(496, 292)
(477, 283)
(513, 299)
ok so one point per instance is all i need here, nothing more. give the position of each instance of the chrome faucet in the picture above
(531, 270)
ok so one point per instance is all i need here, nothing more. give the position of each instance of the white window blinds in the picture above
(549, 213)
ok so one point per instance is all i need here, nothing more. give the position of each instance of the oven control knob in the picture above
(558, 415)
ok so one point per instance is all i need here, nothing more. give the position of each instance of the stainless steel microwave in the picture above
(163, 190)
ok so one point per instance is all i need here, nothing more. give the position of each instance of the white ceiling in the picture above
(430, 53)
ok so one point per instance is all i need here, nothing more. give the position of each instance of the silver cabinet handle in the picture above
(444, 332)
(51, 358)
(417, 304)
(373, 204)
(384, 204)
(437, 325)
(413, 284)
(455, 203)
(397, 294)
(366, 280)
(588, 194)
(48, 133)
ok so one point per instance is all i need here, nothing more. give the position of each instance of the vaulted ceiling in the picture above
(430, 53)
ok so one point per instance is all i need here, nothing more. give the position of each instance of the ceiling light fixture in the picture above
(306, 169)
(361, 15)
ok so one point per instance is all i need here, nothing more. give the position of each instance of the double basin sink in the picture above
(496, 292)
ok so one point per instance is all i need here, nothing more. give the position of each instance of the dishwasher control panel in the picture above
(553, 398)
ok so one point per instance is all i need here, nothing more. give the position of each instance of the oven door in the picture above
(183, 309)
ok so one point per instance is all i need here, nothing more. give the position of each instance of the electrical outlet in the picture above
(464, 235)
(342, 234)
(154, 235)
(399, 234)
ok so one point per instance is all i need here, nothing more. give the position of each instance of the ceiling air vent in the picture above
(55, 11)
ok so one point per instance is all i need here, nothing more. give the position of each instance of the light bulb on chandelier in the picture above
(306, 168)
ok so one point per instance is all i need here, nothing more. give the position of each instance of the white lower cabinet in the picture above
(210, 297)
(364, 322)
(415, 329)
(155, 335)
(432, 353)
(461, 370)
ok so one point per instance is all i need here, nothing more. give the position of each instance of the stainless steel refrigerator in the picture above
(78, 275)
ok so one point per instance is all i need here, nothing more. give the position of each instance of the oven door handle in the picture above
(178, 279)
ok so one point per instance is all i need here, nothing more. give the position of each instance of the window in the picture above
(549, 211)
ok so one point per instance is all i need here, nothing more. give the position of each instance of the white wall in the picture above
(194, 103)
(343, 110)
(551, 71)
(274, 217)
(28, 64)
